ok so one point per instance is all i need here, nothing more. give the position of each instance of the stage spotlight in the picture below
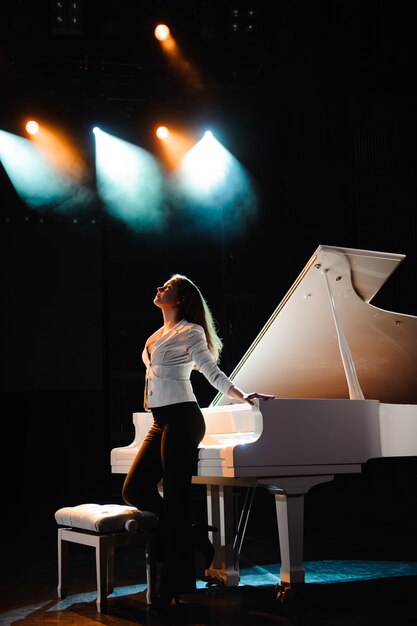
(162, 32)
(37, 178)
(162, 132)
(177, 59)
(206, 165)
(214, 188)
(129, 182)
(32, 127)
(174, 143)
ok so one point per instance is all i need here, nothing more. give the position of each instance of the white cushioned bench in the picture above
(105, 526)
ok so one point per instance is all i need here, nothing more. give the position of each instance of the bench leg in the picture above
(62, 565)
(151, 571)
(110, 569)
(101, 573)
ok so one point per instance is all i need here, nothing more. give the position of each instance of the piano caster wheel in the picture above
(286, 595)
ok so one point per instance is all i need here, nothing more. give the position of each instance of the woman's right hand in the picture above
(249, 397)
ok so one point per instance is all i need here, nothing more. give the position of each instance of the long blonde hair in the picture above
(194, 309)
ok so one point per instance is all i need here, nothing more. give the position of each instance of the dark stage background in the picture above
(318, 104)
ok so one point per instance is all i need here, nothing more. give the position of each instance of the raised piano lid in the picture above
(297, 353)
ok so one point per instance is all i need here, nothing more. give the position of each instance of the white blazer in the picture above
(170, 360)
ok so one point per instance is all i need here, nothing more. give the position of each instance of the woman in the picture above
(186, 341)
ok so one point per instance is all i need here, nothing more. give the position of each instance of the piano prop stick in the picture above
(345, 376)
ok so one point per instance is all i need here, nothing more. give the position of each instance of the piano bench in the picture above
(105, 527)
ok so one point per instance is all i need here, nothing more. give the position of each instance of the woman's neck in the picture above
(170, 320)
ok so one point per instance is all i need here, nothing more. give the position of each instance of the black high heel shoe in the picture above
(163, 601)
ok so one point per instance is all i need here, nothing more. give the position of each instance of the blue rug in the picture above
(330, 571)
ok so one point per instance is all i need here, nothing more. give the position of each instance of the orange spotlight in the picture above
(59, 151)
(173, 147)
(162, 132)
(32, 127)
(162, 32)
(171, 49)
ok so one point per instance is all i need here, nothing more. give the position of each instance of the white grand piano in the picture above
(345, 376)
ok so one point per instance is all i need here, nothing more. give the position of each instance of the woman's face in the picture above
(167, 295)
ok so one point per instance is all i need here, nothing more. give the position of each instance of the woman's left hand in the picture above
(248, 397)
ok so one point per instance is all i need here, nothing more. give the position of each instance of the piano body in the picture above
(345, 376)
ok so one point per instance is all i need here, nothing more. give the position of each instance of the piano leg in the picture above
(220, 513)
(289, 506)
(290, 518)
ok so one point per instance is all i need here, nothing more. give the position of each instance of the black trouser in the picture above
(169, 452)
